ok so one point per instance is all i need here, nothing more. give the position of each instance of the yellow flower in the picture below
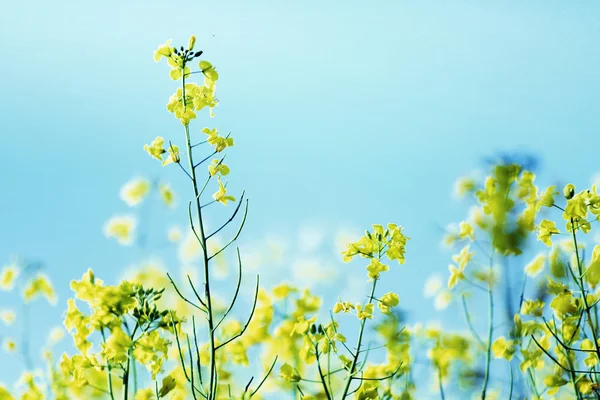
(8, 277)
(145, 394)
(365, 312)
(387, 301)
(216, 140)
(156, 149)
(134, 191)
(5, 394)
(283, 290)
(503, 348)
(117, 345)
(456, 274)
(39, 285)
(168, 384)
(463, 258)
(164, 50)
(173, 157)
(466, 230)
(8, 317)
(536, 266)
(533, 307)
(592, 359)
(375, 268)
(343, 306)
(9, 345)
(289, 373)
(209, 71)
(546, 230)
(302, 325)
(121, 228)
(221, 195)
(217, 167)
(167, 195)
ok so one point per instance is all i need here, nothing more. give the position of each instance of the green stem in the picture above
(488, 357)
(201, 235)
(358, 345)
(108, 370)
(441, 385)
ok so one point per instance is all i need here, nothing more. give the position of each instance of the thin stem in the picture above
(441, 385)
(488, 357)
(212, 388)
(108, 370)
(358, 345)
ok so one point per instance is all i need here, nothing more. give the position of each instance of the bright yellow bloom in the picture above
(217, 167)
(156, 149)
(364, 312)
(536, 266)
(533, 307)
(134, 191)
(221, 194)
(145, 394)
(39, 285)
(592, 359)
(503, 348)
(387, 301)
(117, 345)
(173, 157)
(456, 274)
(216, 140)
(121, 228)
(5, 394)
(546, 230)
(375, 268)
(167, 195)
(208, 70)
(343, 306)
(289, 373)
(8, 277)
(164, 50)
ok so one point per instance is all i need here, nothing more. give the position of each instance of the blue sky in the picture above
(344, 114)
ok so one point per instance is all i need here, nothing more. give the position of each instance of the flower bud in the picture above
(192, 42)
(569, 191)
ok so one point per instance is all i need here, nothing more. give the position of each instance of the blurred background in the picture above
(343, 115)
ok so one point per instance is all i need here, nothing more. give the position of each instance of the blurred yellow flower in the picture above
(167, 194)
(8, 277)
(39, 285)
(121, 228)
(9, 345)
(8, 317)
(134, 191)
(535, 267)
